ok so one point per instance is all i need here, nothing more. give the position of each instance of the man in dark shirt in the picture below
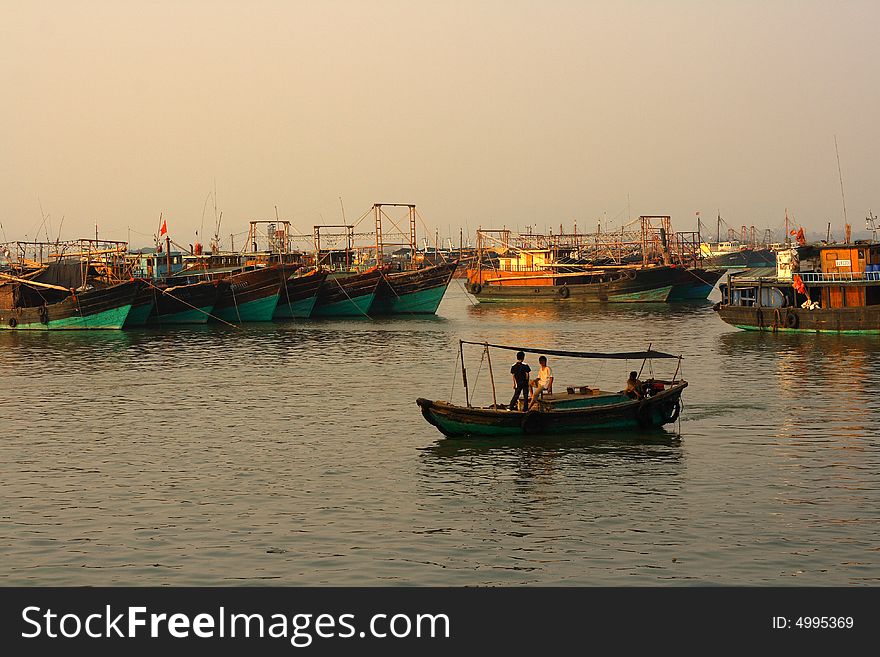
(520, 372)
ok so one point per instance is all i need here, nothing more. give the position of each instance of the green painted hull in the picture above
(355, 307)
(192, 316)
(111, 319)
(138, 315)
(452, 427)
(301, 309)
(657, 295)
(258, 310)
(421, 302)
(784, 329)
(608, 412)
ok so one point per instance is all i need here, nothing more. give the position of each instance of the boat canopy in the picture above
(620, 355)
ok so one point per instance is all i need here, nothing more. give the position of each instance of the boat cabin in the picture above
(822, 276)
(156, 264)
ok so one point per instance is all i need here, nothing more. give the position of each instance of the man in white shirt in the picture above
(543, 382)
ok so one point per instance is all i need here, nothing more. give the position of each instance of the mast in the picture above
(787, 234)
(491, 377)
(840, 175)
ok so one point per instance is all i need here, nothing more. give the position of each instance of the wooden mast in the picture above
(491, 377)
(464, 374)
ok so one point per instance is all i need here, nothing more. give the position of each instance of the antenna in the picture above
(840, 175)
(871, 224)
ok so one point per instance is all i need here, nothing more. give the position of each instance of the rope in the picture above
(479, 369)
(336, 280)
(462, 286)
(454, 374)
(284, 285)
(187, 304)
(234, 300)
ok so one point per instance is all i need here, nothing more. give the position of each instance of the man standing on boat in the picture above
(543, 383)
(520, 373)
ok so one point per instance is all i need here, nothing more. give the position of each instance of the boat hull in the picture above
(743, 259)
(99, 308)
(695, 284)
(299, 295)
(141, 308)
(413, 292)
(347, 296)
(857, 319)
(184, 304)
(635, 285)
(249, 296)
(618, 413)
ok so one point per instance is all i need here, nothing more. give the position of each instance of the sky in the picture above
(484, 113)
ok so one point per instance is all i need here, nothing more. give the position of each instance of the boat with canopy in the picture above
(576, 409)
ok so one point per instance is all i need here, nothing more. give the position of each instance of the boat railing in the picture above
(832, 277)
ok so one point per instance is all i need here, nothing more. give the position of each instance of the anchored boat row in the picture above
(70, 294)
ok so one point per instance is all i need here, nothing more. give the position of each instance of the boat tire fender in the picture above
(674, 410)
(44, 315)
(791, 320)
(564, 292)
(13, 322)
(476, 288)
(533, 422)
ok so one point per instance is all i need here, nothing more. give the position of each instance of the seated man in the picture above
(543, 382)
(634, 387)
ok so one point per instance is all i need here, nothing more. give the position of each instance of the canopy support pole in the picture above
(638, 376)
(676, 369)
(467, 398)
(491, 378)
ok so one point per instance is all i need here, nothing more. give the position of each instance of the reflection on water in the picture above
(295, 453)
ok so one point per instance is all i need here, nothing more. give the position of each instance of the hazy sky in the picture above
(479, 112)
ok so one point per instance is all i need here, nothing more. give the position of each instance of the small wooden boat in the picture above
(578, 409)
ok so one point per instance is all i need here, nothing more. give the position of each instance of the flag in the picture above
(798, 284)
(163, 229)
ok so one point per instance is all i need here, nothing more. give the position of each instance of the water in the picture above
(295, 454)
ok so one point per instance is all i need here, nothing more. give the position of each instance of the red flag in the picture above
(798, 284)
(163, 230)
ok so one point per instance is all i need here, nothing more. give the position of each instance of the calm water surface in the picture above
(295, 454)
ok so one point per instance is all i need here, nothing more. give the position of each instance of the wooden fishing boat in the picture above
(245, 293)
(413, 292)
(249, 296)
(622, 284)
(172, 298)
(299, 295)
(187, 303)
(141, 307)
(694, 283)
(347, 294)
(578, 409)
(31, 305)
(814, 288)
